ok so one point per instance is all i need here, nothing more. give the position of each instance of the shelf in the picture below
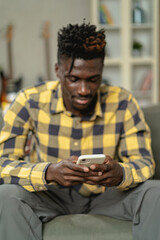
(122, 66)
(142, 94)
(141, 26)
(141, 60)
(112, 61)
(113, 27)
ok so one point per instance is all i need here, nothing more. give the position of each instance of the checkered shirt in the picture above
(117, 128)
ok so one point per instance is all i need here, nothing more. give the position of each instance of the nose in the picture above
(83, 88)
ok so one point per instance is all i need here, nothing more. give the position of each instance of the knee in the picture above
(150, 191)
(152, 185)
(8, 191)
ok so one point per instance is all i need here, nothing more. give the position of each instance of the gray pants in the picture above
(22, 213)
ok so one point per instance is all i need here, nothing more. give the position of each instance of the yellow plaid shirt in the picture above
(117, 128)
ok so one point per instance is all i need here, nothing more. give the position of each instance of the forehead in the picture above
(93, 66)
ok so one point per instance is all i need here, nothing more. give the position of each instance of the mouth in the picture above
(82, 101)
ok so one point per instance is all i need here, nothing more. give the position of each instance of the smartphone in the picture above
(88, 160)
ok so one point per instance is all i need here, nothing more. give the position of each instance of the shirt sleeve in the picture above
(135, 152)
(13, 167)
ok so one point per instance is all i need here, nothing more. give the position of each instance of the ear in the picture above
(57, 69)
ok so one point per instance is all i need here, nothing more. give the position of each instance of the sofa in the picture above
(96, 227)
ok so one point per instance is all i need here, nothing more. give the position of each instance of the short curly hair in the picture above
(81, 41)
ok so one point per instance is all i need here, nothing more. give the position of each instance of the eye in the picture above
(72, 78)
(95, 79)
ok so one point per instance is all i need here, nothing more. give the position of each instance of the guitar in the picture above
(46, 37)
(9, 85)
(3, 96)
(9, 35)
(30, 147)
(14, 85)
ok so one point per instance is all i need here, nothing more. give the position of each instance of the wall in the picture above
(28, 18)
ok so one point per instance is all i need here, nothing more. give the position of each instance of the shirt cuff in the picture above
(37, 176)
(127, 178)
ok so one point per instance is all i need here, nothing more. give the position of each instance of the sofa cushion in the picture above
(87, 227)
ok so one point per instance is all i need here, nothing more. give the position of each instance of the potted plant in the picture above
(137, 48)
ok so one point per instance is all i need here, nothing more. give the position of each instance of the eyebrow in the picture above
(72, 75)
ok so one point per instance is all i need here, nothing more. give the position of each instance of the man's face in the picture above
(79, 87)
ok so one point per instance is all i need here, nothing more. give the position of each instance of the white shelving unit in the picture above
(137, 73)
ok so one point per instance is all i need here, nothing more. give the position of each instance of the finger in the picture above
(100, 167)
(110, 182)
(95, 179)
(92, 173)
(73, 178)
(72, 172)
(77, 167)
(73, 158)
(101, 177)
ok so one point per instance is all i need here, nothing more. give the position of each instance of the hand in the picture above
(66, 172)
(110, 173)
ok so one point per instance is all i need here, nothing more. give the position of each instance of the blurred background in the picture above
(28, 42)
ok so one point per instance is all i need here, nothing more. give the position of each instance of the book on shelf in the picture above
(105, 15)
(147, 82)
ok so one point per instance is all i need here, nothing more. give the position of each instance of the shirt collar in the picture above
(57, 104)
(98, 109)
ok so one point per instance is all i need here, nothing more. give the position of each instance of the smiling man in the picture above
(80, 86)
(69, 117)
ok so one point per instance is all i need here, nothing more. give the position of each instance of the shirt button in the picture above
(40, 188)
(76, 144)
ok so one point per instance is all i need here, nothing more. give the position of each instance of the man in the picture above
(74, 116)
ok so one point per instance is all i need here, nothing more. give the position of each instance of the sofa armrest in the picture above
(1, 119)
(152, 116)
